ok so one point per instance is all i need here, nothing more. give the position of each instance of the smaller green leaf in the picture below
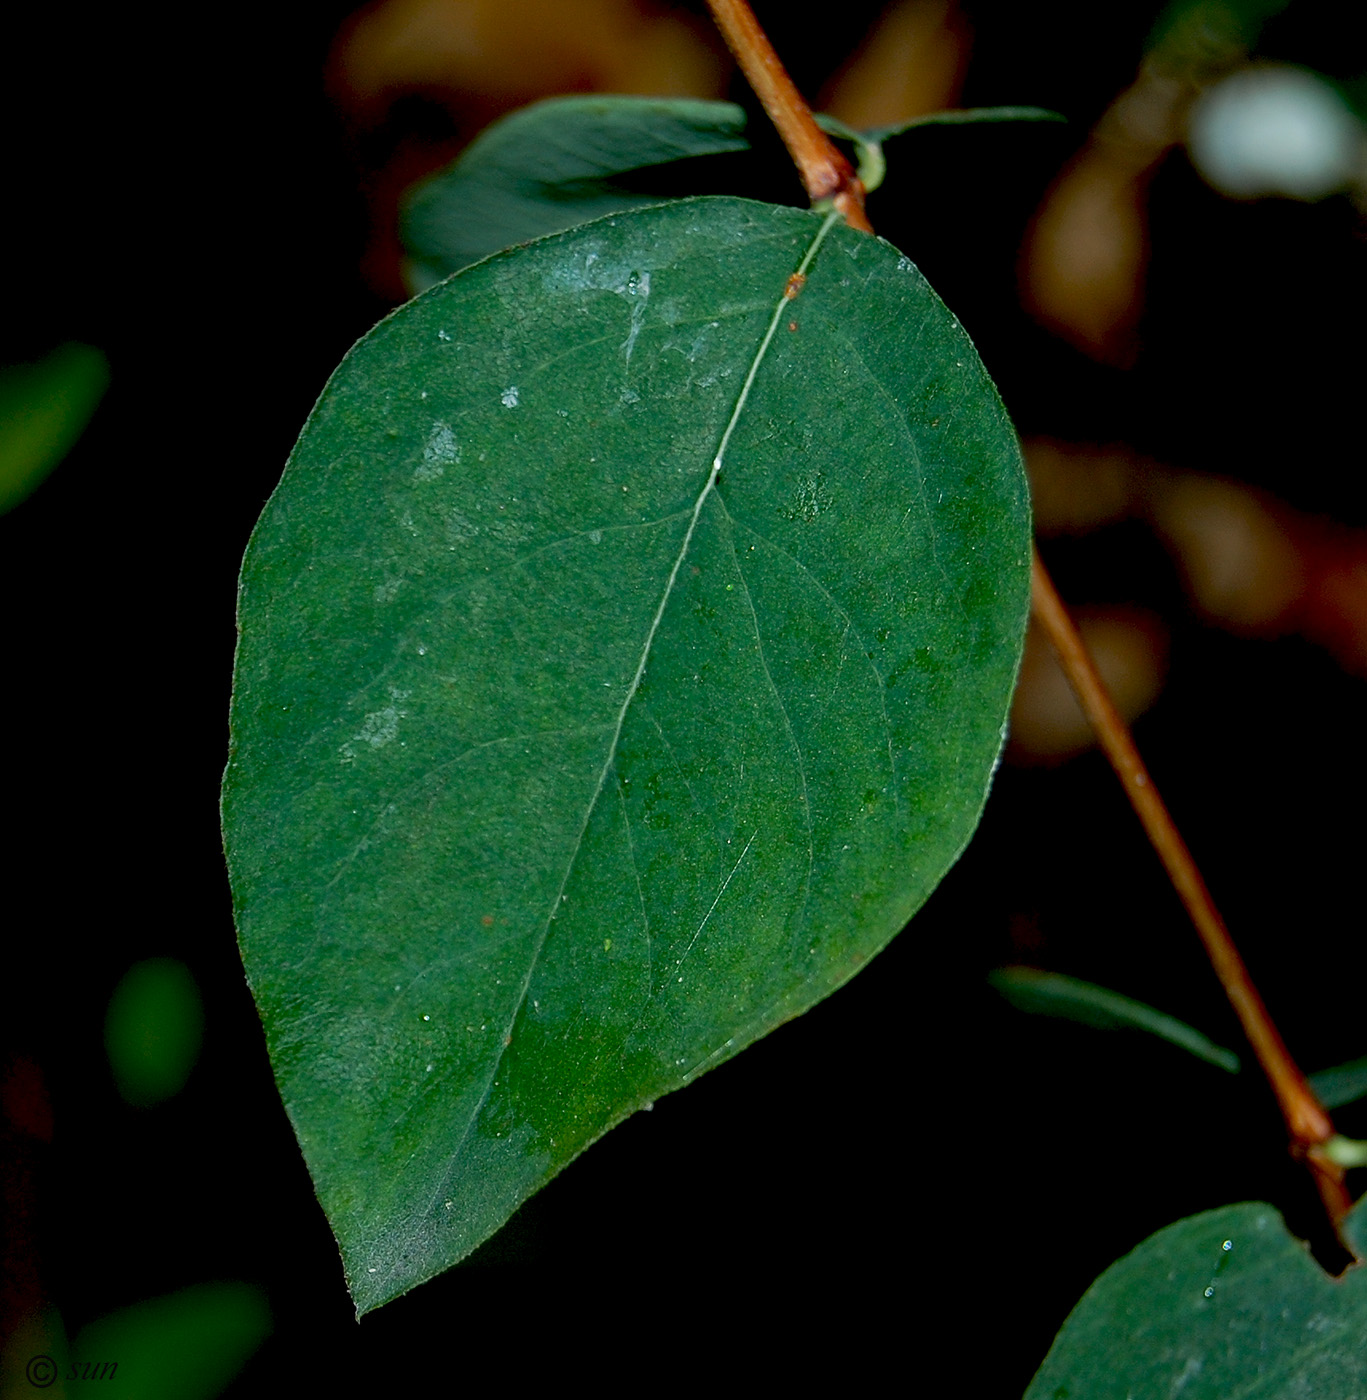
(1052, 994)
(1353, 91)
(153, 1030)
(1219, 1305)
(1347, 1152)
(184, 1346)
(551, 166)
(44, 409)
(1354, 1229)
(1341, 1085)
(871, 157)
(968, 116)
(1207, 34)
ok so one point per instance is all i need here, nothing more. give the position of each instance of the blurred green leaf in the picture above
(153, 1030)
(185, 1346)
(1222, 1305)
(1353, 91)
(44, 409)
(1341, 1085)
(550, 166)
(1199, 37)
(1052, 994)
(1354, 1231)
(1347, 1152)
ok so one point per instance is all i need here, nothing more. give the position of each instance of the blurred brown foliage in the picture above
(1250, 565)
(1083, 265)
(491, 55)
(911, 63)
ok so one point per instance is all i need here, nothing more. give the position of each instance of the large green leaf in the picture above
(564, 764)
(1221, 1306)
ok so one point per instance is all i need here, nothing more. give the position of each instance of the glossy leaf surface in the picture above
(565, 766)
(1220, 1305)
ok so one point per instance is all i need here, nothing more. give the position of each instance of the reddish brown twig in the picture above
(825, 172)
(1306, 1119)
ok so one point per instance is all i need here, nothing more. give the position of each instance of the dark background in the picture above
(912, 1170)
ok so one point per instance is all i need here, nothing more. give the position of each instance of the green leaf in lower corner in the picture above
(624, 657)
(1071, 999)
(184, 1346)
(1222, 1305)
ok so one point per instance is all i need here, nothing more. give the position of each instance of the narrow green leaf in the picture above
(565, 766)
(967, 116)
(1341, 1085)
(1052, 994)
(1222, 1305)
(44, 409)
(184, 1346)
(870, 145)
(550, 166)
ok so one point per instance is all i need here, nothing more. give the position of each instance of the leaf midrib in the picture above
(709, 484)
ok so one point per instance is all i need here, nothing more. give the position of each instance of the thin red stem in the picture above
(1307, 1121)
(825, 172)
